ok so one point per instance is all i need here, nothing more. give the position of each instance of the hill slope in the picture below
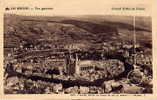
(69, 30)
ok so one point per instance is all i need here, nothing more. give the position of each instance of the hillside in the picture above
(67, 30)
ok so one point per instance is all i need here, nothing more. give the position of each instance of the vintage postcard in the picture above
(80, 49)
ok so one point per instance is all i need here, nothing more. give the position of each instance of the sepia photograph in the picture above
(77, 54)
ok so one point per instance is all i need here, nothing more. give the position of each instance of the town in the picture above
(53, 66)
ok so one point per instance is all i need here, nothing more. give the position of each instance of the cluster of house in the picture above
(70, 62)
(64, 62)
